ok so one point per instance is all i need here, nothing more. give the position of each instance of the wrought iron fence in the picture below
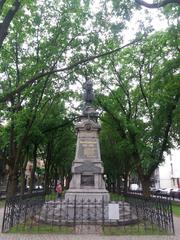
(39, 212)
(156, 210)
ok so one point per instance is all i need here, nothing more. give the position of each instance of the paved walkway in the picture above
(6, 236)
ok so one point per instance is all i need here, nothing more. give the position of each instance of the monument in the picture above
(87, 170)
(87, 200)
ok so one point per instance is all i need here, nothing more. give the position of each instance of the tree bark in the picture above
(47, 166)
(125, 183)
(32, 179)
(7, 20)
(46, 180)
(119, 184)
(23, 181)
(146, 183)
(114, 186)
(12, 186)
(12, 182)
(23, 177)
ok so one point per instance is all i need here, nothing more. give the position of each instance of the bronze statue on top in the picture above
(89, 111)
(88, 94)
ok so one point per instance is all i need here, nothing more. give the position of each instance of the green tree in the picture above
(144, 101)
(7, 12)
(45, 42)
(116, 155)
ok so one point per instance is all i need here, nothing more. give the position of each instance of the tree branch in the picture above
(21, 88)
(115, 97)
(115, 119)
(142, 88)
(124, 89)
(2, 2)
(7, 20)
(62, 125)
(167, 130)
(168, 125)
(156, 5)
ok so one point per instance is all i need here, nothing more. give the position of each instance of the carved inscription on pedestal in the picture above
(88, 134)
(88, 149)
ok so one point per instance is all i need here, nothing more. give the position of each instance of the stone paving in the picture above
(6, 236)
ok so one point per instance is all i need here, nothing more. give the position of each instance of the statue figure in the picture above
(88, 94)
(88, 110)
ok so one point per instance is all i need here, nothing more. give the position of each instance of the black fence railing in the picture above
(128, 214)
(4, 192)
(157, 210)
(174, 195)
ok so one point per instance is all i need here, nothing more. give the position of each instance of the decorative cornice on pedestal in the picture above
(88, 167)
(87, 125)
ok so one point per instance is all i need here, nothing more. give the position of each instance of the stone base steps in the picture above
(61, 213)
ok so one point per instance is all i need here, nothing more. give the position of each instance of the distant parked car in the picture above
(38, 187)
(166, 191)
(160, 191)
(175, 193)
(134, 187)
(154, 190)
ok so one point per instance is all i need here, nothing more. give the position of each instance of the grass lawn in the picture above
(176, 209)
(41, 229)
(116, 197)
(133, 230)
(108, 230)
(2, 203)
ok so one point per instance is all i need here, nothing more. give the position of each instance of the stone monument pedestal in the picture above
(87, 171)
(87, 195)
(84, 212)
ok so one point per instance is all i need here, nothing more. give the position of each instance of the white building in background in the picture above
(168, 173)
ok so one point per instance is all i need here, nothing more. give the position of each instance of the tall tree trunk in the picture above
(145, 179)
(46, 177)
(114, 186)
(4, 25)
(125, 183)
(12, 186)
(23, 177)
(146, 183)
(32, 179)
(13, 160)
(23, 180)
(47, 166)
(56, 177)
(118, 184)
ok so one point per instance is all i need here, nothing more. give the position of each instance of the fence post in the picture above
(12, 215)
(171, 217)
(4, 215)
